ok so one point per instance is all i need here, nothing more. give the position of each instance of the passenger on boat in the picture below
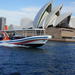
(11, 36)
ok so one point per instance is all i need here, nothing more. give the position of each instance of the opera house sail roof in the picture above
(48, 16)
(63, 20)
(52, 16)
(44, 11)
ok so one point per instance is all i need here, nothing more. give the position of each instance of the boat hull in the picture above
(34, 41)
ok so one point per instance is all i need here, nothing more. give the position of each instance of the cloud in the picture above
(73, 2)
(14, 17)
(30, 9)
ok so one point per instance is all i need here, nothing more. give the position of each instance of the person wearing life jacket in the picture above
(5, 36)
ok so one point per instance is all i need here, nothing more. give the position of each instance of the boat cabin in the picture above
(18, 34)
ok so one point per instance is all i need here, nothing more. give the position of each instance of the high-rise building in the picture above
(2, 22)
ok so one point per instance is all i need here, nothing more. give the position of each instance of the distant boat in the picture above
(30, 41)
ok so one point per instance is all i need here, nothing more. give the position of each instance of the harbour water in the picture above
(55, 58)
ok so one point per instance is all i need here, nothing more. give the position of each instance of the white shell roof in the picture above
(61, 18)
(52, 16)
(48, 16)
(40, 14)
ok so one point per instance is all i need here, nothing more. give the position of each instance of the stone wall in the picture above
(59, 33)
(55, 32)
(67, 32)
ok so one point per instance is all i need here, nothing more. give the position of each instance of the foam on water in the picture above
(11, 45)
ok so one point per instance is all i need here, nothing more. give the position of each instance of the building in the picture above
(51, 16)
(5, 27)
(2, 22)
(41, 15)
(59, 25)
(72, 22)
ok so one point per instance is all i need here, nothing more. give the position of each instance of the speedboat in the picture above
(32, 41)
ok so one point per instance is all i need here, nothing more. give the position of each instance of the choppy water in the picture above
(52, 59)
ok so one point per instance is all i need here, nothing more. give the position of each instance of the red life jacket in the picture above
(6, 37)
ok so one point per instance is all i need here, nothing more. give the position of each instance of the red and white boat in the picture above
(32, 41)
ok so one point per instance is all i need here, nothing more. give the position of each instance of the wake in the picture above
(11, 45)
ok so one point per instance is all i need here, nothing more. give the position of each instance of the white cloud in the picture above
(14, 17)
(30, 9)
(73, 2)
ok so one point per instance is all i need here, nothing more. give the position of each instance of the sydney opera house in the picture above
(54, 22)
(51, 17)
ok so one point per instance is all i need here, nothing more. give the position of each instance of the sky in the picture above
(15, 10)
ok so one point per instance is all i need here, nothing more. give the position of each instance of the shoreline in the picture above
(62, 40)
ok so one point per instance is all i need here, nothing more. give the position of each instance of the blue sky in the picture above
(15, 10)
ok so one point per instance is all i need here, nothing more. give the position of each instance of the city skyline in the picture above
(15, 10)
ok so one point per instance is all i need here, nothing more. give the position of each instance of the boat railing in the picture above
(27, 32)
